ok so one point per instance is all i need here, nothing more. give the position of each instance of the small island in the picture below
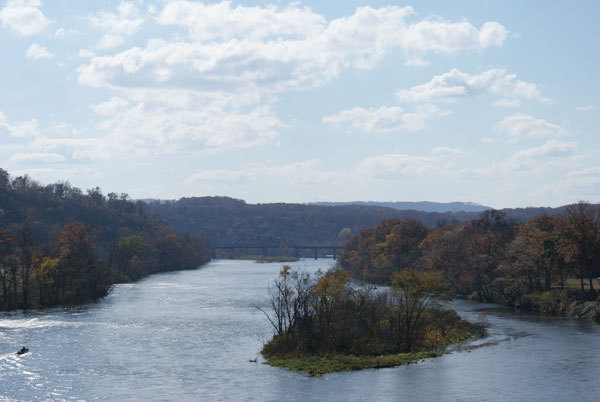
(324, 324)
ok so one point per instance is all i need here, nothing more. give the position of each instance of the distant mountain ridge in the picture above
(225, 220)
(425, 206)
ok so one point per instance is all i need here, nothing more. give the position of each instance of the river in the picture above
(190, 335)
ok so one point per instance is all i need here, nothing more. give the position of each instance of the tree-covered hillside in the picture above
(426, 206)
(59, 245)
(491, 258)
(225, 220)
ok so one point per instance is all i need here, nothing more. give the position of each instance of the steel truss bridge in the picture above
(264, 249)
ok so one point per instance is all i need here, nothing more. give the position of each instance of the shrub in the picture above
(554, 302)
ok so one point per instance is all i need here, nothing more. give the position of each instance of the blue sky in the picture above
(494, 102)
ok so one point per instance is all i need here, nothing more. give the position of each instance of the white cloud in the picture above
(23, 129)
(86, 54)
(550, 155)
(298, 173)
(5, 128)
(415, 61)
(391, 166)
(65, 144)
(536, 160)
(551, 149)
(219, 175)
(384, 119)
(448, 37)
(37, 52)
(523, 125)
(222, 22)
(448, 151)
(585, 179)
(52, 174)
(33, 157)
(212, 86)
(455, 85)
(118, 26)
(395, 166)
(111, 107)
(504, 102)
(586, 108)
(276, 49)
(176, 121)
(23, 17)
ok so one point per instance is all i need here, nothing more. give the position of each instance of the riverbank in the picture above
(566, 307)
(561, 303)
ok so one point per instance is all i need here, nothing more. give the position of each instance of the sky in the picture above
(494, 102)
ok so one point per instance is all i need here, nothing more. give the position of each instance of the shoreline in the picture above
(316, 365)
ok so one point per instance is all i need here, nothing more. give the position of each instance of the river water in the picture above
(190, 335)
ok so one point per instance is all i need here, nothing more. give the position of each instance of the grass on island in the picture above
(318, 365)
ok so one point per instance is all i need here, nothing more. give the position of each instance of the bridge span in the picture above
(264, 248)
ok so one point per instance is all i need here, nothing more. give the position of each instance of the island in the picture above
(325, 323)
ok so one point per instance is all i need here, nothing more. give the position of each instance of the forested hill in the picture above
(59, 245)
(226, 220)
(426, 206)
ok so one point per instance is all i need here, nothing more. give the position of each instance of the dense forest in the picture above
(426, 206)
(226, 220)
(491, 258)
(59, 245)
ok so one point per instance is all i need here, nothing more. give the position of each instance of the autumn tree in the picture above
(486, 243)
(282, 302)
(414, 293)
(329, 291)
(4, 179)
(81, 277)
(25, 243)
(44, 277)
(5, 254)
(582, 233)
(533, 257)
(375, 253)
(128, 254)
(446, 249)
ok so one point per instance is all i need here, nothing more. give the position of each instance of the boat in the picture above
(23, 351)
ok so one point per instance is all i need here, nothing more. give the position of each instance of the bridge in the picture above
(265, 248)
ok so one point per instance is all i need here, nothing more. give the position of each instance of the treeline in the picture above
(230, 221)
(322, 314)
(60, 246)
(490, 258)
